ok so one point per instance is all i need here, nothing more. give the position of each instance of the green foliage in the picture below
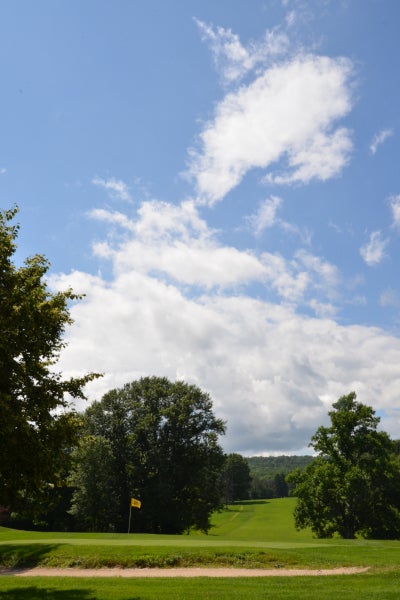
(353, 487)
(94, 499)
(268, 474)
(36, 427)
(236, 478)
(266, 467)
(163, 449)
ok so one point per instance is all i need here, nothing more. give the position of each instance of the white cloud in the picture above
(232, 59)
(323, 309)
(167, 310)
(3, 170)
(116, 218)
(272, 374)
(289, 112)
(172, 241)
(326, 276)
(324, 157)
(373, 252)
(379, 139)
(265, 216)
(117, 188)
(395, 206)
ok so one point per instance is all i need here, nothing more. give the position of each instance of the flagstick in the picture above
(130, 512)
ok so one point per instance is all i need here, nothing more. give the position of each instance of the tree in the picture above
(37, 426)
(164, 442)
(236, 479)
(353, 486)
(281, 488)
(94, 499)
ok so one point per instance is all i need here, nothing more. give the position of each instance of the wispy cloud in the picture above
(395, 206)
(3, 170)
(390, 298)
(232, 59)
(117, 188)
(379, 139)
(374, 251)
(265, 216)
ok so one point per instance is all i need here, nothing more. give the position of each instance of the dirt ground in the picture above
(183, 572)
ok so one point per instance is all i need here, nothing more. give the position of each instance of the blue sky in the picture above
(220, 178)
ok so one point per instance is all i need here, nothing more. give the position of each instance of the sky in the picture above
(221, 180)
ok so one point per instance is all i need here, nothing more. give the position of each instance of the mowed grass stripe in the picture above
(251, 534)
(295, 588)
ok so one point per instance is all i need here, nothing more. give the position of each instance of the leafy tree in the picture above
(261, 488)
(37, 425)
(281, 488)
(164, 442)
(353, 486)
(94, 500)
(266, 467)
(236, 478)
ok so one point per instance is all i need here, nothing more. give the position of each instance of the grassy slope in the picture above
(248, 534)
(259, 533)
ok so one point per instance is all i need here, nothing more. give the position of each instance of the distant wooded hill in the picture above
(266, 467)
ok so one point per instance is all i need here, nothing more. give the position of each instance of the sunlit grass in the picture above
(367, 587)
(250, 534)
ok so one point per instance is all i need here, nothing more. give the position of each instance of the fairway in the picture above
(250, 535)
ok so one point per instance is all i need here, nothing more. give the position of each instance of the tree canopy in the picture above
(37, 426)
(353, 486)
(161, 442)
(236, 478)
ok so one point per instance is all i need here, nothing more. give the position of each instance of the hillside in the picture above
(266, 467)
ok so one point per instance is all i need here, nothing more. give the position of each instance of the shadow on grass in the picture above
(250, 502)
(42, 593)
(238, 503)
(14, 556)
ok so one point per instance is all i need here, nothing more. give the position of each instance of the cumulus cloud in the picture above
(168, 309)
(379, 139)
(288, 113)
(373, 252)
(322, 158)
(117, 188)
(179, 302)
(272, 374)
(173, 242)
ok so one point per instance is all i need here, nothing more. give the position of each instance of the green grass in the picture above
(367, 587)
(252, 534)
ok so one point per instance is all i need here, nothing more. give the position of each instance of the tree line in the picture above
(156, 441)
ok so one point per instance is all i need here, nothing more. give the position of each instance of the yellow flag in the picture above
(135, 503)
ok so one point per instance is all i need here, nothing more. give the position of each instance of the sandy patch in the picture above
(183, 572)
